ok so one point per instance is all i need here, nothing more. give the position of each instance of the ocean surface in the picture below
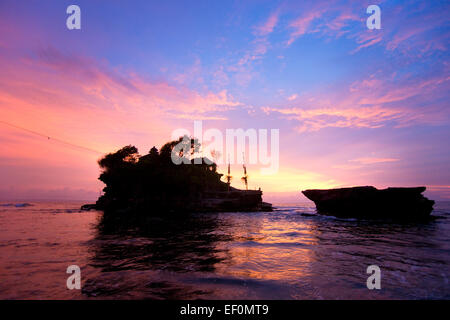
(289, 253)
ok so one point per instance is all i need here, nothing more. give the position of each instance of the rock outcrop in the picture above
(233, 200)
(171, 180)
(213, 201)
(368, 202)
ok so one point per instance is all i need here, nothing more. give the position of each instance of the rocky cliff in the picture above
(369, 202)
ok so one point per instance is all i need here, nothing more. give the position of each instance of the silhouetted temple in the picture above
(154, 184)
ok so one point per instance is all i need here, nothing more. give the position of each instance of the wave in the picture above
(17, 205)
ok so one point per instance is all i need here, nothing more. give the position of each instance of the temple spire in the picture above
(245, 177)
(228, 176)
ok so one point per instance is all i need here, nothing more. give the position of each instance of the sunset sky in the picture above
(354, 106)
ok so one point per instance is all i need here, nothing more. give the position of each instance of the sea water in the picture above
(289, 253)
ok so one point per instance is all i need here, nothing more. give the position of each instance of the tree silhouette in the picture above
(153, 183)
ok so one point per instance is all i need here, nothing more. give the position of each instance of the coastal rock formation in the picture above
(369, 202)
(218, 201)
(170, 180)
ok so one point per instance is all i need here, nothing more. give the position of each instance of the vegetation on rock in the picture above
(153, 182)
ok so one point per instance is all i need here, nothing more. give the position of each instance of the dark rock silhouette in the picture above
(369, 202)
(154, 184)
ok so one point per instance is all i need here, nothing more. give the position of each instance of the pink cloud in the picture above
(368, 39)
(327, 19)
(302, 24)
(442, 191)
(84, 104)
(243, 68)
(348, 117)
(406, 30)
(269, 25)
(110, 88)
(372, 160)
(418, 29)
(370, 103)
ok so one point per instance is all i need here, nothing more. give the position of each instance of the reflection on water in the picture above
(270, 255)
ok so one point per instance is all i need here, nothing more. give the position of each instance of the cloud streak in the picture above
(373, 160)
(370, 103)
(268, 27)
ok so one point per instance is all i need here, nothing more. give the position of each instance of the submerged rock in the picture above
(370, 202)
(88, 207)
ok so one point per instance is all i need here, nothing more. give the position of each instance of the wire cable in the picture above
(52, 138)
